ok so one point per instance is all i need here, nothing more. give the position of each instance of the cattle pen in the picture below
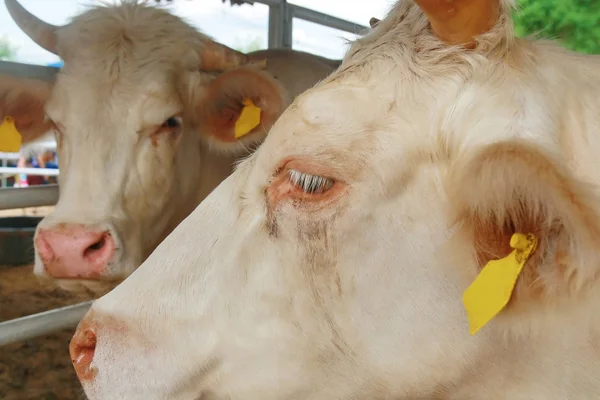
(281, 15)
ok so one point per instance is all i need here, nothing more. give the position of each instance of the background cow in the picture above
(341, 248)
(144, 112)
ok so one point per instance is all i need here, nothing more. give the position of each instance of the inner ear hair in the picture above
(513, 186)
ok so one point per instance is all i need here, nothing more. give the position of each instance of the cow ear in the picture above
(24, 100)
(460, 21)
(239, 108)
(515, 187)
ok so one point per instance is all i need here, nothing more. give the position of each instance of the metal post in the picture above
(4, 165)
(274, 27)
(287, 22)
(42, 324)
(5, 158)
(280, 25)
(32, 196)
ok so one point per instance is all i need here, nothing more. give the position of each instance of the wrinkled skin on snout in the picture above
(341, 248)
(144, 113)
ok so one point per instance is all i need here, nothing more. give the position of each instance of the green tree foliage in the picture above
(249, 46)
(7, 50)
(574, 23)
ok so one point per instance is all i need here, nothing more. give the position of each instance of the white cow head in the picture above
(341, 249)
(144, 111)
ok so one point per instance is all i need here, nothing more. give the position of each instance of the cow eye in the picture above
(304, 183)
(173, 122)
(310, 184)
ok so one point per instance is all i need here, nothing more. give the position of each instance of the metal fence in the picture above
(281, 16)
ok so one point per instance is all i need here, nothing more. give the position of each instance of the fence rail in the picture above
(281, 15)
(20, 70)
(32, 196)
(326, 20)
(9, 156)
(43, 323)
(29, 171)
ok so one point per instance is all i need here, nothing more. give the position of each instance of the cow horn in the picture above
(216, 57)
(43, 33)
(374, 21)
(459, 21)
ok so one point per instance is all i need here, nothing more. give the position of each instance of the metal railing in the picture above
(5, 170)
(43, 323)
(28, 171)
(281, 15)
(32, 196)
(20, 70)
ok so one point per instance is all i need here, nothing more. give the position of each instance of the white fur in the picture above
(362, 299)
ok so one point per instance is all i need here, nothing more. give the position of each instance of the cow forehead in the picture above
(80, 96)
(441, 117)
(330, 114)
(334, 103)
(126, 32)
(123, 54)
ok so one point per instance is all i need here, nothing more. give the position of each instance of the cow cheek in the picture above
(150, 179)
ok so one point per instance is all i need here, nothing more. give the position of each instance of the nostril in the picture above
(86, 346)
(82, 349)
(96, 246)
(75, 251)
(100, 250)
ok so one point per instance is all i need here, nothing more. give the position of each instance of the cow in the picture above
(353, 252)
(144, 110)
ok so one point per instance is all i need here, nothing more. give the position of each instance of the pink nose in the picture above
(71, 251)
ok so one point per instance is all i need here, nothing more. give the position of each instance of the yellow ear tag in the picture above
(248, 120)
(492, 289)
(10, 138)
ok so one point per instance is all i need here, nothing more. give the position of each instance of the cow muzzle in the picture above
(76, 251)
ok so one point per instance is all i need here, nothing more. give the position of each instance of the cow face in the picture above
(145, 112)
(342, 247)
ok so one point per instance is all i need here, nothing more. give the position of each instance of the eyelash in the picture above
(310, 184)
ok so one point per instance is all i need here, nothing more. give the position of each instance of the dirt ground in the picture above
(40, 368)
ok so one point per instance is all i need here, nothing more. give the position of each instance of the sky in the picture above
(228, 25)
